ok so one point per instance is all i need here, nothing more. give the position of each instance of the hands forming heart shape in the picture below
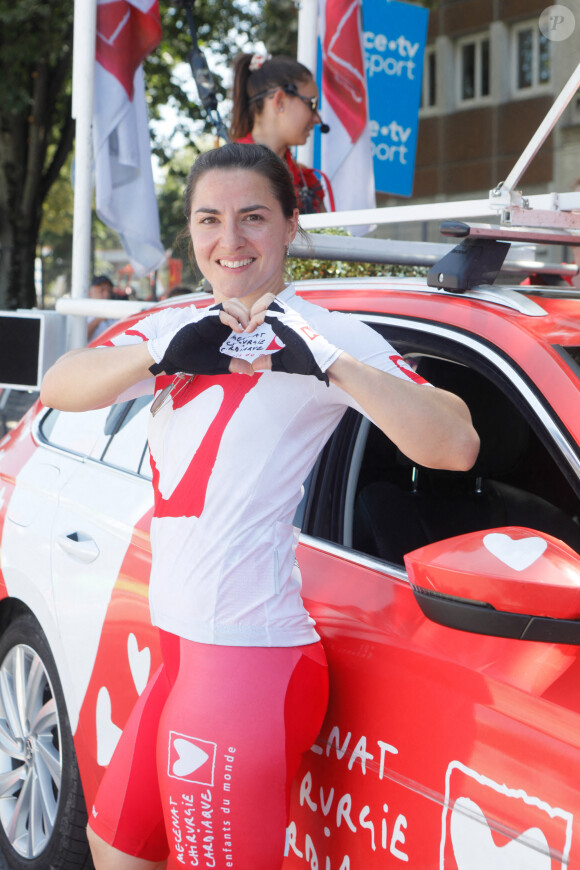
(230, 339)
(247, 322)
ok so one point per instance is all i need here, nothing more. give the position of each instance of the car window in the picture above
(115, 435)
(370, 497)
(125, 449)
(81, 433)
(396, 506)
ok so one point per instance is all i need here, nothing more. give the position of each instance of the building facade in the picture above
(491, 74)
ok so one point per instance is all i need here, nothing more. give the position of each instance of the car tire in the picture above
(42, 809)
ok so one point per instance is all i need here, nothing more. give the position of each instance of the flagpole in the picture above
(85, 35)
(307, 54)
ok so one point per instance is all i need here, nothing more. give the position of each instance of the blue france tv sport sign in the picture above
(394, 46)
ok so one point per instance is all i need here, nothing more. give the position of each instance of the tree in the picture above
(36, 131)
(278, 27)
(36, 128)
(171, 214)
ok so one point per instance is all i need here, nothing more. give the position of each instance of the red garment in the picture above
(307, 184)
(198, 765)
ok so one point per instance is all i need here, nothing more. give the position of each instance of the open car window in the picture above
(372, 498)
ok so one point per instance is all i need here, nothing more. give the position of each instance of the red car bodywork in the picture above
(442, 748)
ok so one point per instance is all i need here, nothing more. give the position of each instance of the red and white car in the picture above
(449, 605)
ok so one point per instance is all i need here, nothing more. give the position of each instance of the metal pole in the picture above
(307, 54)
(542, 132)
(85, 35)
(427, 211)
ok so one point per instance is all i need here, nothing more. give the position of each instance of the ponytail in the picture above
(243, 111)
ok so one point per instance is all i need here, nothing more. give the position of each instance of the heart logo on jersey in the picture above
(190, 757)
(474, 847)
(191, 435)
(139, 662)
(180, 440)
(517, 555)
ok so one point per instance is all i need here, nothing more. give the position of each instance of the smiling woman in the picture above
(249, 389)
(240, 234)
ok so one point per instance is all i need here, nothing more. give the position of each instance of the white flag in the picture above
(346, 151)
(127, 31)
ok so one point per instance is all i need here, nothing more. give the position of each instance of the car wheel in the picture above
(42, 808)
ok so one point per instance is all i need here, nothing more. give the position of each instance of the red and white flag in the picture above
(127, 31)
(346, 151)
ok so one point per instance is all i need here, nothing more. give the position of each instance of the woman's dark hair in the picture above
(234, 155)
(272, 74)
(257, 158)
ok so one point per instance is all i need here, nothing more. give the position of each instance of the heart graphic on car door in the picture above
(474, 847)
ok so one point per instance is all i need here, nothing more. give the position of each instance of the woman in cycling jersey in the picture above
(275, 103)
(246, 393)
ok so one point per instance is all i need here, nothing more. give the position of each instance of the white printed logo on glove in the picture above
(250, 345)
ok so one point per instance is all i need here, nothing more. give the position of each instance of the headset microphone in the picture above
(324, 128)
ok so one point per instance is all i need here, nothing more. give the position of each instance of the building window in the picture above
(531, 55)
(473, 56)
(429, 87)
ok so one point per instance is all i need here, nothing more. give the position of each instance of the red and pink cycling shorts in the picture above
(204, 767)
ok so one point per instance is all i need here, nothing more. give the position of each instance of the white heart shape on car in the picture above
(191, 757)
(139, 662)
(108, 733)
(474, 847)
(518, 555)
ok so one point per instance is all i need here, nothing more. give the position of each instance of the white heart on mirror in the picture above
(517, 555)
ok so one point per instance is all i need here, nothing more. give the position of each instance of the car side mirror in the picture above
(508, 582)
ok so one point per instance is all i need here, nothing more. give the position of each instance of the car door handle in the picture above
(79, 546)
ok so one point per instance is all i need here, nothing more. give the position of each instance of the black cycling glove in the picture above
(193, 349)
(305, 351)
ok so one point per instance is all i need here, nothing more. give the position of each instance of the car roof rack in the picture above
(483, 252)
(480, 255)
(320, 246)
(508, 233)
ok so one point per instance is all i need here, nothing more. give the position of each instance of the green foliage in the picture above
(278, 27)
(32, 32)
(171, 217)
(218, 28)
(301, 270)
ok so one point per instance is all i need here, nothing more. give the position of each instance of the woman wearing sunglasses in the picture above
(276, 104)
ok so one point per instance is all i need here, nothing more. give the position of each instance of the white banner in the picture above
(125, 194)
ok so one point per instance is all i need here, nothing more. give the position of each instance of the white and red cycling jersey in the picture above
(224, 569)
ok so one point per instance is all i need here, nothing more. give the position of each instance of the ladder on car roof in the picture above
(544, 210)
(545, 218)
